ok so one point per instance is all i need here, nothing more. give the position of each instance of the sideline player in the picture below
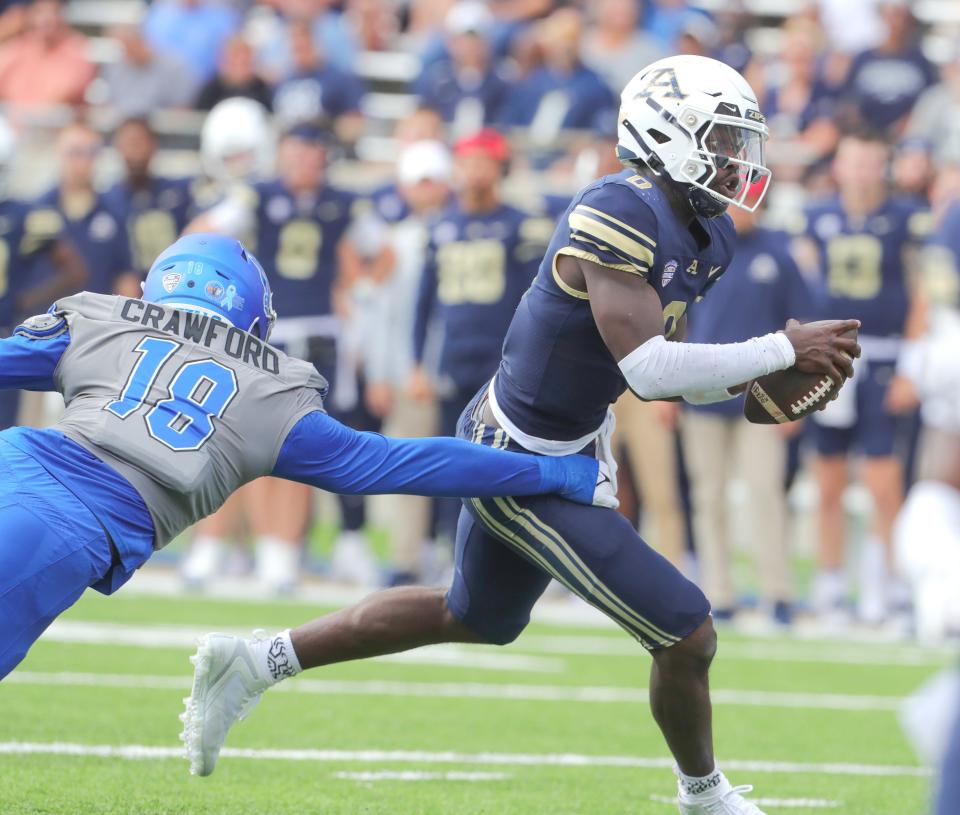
(173, 402)
(864, 240)
(633, 250)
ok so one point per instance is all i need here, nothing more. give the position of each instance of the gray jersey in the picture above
(186, 407)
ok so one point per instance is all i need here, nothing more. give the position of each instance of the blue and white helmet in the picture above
(215, 275)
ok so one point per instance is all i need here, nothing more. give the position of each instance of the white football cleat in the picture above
(226, 687)
(724, 800)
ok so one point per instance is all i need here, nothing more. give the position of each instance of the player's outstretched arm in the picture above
(29, 358)
(629, 317)
(322, 452)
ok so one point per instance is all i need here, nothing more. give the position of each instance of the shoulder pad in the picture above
(42, 326)
(613, 226)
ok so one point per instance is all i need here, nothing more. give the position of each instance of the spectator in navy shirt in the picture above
(884, 83)
(155, 207)
(98, 233)
(316, 90)
(465, 88)
(561, 94)
(757, 294)
(799, 103)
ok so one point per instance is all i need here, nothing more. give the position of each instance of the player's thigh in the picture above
(598, 555)
(494, 587)
(45, 565)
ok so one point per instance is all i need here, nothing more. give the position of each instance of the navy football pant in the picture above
(508, 549)
(51, 549)
(948, 796)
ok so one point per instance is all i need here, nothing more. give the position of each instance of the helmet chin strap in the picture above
(702, 202)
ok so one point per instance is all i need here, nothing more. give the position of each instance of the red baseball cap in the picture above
(488, 142)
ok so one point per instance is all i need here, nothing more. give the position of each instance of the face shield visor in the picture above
(729, 160)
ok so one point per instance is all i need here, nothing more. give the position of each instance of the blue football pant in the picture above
(51, 549)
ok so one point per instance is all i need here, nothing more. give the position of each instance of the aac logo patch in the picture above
(170, 281)
(669, 270)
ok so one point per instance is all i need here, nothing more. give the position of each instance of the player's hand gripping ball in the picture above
(825, 353)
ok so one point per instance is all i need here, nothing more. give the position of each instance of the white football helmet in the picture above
(691, 119)
(8, 144)
(237, 141)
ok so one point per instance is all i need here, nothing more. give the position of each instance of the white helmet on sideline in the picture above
(689, 118)
(237, 140)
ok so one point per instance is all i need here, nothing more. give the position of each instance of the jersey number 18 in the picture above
(198, 392)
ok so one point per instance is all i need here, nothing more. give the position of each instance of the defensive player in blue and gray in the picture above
(172, 403)
(631, 252)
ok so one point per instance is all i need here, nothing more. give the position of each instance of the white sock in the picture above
(277, 658)
(694, 786)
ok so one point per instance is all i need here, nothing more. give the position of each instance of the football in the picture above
(785, 396)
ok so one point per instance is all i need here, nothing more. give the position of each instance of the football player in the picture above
(632, 251)
(156, 207)
(26, 234)
(301, 226)
(94, 227)
(172, 402)
(862, 240)
(482, 255)
(927, 531)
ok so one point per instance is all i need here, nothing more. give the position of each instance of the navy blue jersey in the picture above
(862, 262)
(454, 95)
(100, 237)
(941, 268)
(307, 95)
(25, 233)
(155, 215)
(884, 87)
(296, 242)
(577, 99)
(761, 289)
(388, 204)
(477, 269)
(557, 377)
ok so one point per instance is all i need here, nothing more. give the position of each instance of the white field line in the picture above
(418, 775)
(524, 656)
(476, 690)
(780, 803)
(141, 752)
(762, 651)
(182, 636)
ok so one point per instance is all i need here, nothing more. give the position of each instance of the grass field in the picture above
(555, 724)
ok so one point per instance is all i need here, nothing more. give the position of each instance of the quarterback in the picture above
(628, 256)
(172, 403)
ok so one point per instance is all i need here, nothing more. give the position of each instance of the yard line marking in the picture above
(784, 803)
(140, 752)
(418, 775)
(522, 656)
(477, 690)
(761, 651)
(182, 636)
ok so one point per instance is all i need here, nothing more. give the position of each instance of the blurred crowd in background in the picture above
(399, 168)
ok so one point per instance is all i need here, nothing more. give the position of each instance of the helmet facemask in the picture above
(727, 161)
